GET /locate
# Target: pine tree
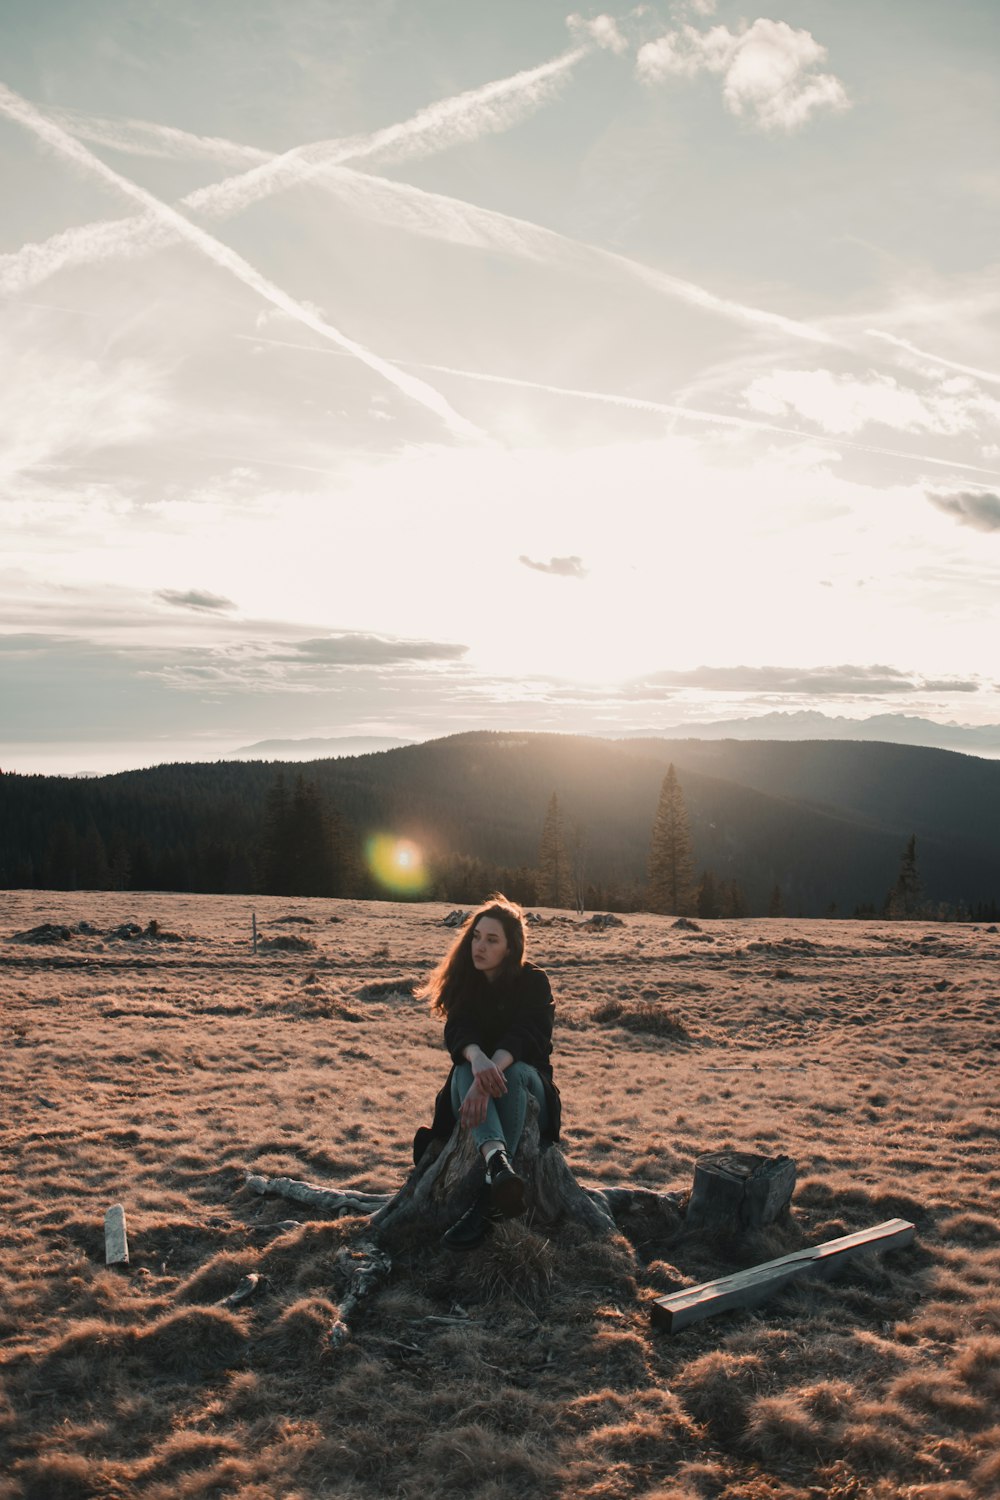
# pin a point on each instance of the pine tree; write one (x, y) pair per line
(311, 841)
(553, 862)
(578, 867)
(671, 857)
(776, 904)
(732, 900)
(278, 857)
(904, 899)
(706, 897)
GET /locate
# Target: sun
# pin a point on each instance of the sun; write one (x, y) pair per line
(397, 864)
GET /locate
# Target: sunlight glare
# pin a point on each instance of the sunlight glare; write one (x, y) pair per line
(397, 864)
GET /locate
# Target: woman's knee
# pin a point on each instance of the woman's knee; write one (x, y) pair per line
(461, 1082)
(522, 1076)
(524, 1080)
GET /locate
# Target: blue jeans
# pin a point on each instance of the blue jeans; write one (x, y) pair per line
(504, 1117)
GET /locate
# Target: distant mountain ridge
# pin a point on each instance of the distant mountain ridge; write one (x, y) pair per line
(315, 749)
(811, 724)
(796, 724)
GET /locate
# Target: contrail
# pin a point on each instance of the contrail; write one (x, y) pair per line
(492, 107)
(936, 359)
(657, 408)
(637, 403)
(398, 205)
(487, 110)
(161, 142)
(56, 139)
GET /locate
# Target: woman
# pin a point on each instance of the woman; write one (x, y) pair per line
(498, 1029)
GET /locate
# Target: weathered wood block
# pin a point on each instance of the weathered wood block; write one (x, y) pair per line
(115, 1237)
(739, 1190)
(747, 1288)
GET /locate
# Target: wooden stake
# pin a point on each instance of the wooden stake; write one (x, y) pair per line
(747, 1288)
(115, 1238)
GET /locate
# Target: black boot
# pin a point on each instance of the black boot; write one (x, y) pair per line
(474, 1225)
(506, 1188)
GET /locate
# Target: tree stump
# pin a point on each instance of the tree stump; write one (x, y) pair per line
(448, 1178)
(738, 1190)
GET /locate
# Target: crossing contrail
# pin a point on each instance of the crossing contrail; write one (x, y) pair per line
(396, 205)
(54, 137)
(464, 117)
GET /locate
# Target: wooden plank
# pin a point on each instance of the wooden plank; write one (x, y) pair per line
(115, 1237)
(747, 1288)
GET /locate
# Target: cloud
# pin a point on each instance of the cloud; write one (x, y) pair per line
(560, 567)
(603, 31)
(843, 404)
(769, 71)
(56, 405)
(54, 137)
(979, 509)
(77, 690)
(198, 599)
(356, 649)
(798, 681)
(32, 640)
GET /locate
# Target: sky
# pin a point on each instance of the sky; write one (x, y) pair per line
(405, 367)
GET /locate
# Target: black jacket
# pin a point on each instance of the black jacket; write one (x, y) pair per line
(516, 1016)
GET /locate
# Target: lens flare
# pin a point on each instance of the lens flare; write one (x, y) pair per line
(397, 864)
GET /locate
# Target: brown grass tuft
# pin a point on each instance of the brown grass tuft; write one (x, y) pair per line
(971, 1229)
(718, 1390)
(185, 1451)
(775, 1424)
(986, 1474)
(300, 1333)
(218, 1277)
(648, 1017)
(61, 1476)
(940, 1397)
(516, 1264)
(458, 1459)
(652, 1430)
(194, 1341)
(979, 1365)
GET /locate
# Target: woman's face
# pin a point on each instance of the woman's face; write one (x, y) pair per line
(489, 946)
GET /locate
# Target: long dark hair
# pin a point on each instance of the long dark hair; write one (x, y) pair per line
(446, 986)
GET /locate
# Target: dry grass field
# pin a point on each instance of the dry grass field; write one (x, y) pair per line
(156, 1070)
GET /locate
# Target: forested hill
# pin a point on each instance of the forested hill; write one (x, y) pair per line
(823, 821)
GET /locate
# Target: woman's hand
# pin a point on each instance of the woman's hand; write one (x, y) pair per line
(475, 1104)
(486, 1071)
(488, 1083)
(489, 1077)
